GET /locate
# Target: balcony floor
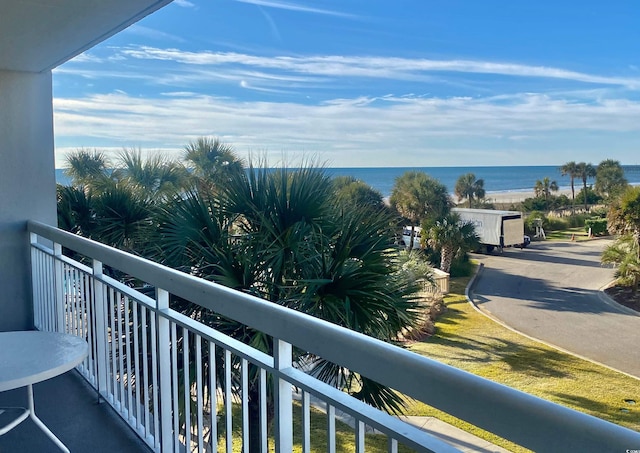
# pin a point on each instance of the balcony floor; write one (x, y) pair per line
(68, 405)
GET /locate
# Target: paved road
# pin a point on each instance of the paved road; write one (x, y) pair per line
(550, 291)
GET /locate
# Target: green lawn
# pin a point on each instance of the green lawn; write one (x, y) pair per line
(345, 435)
(578, 234)
(470, 341)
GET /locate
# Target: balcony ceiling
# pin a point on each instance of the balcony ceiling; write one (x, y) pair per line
(38, 35)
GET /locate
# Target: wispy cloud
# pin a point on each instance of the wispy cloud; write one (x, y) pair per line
(296, 7)
(347, 109)
(378, 130)
(184, 3)
(147, 32)
(373, 67)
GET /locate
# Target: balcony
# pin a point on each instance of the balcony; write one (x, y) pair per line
(69, 406)
(182, 386)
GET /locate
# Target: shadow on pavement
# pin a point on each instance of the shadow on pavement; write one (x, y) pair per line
(537, 293)
(545, 254)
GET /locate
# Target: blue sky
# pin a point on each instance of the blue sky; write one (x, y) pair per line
(365, 83)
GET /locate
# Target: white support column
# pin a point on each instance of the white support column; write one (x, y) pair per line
(283, 399)
(101, 325)
(164, 353)
(27, 184)
(59, 287)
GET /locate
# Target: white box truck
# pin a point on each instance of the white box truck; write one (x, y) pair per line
(496, 228)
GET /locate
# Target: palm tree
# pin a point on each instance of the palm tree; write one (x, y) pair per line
(467, 186)
(153, 178)
(451, 237)
(585, 171)
(115, 207)
(544, 188)
(123, 219)
(212, 161)
(75, 210)
(282, 235)
(419, 197)
(624, 253)
(624, 219)
(88, 168)
(610, 180)
(351, 191)
(624, 215)
(571, 169)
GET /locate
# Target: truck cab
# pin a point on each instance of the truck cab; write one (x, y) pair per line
(406, 236)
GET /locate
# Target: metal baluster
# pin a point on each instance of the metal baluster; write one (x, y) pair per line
(136, 350)
(228, 408)
(127, 339)
(360, 432)
(283, 399)
(198, 364)
(245, 404)
(165, 345)
(264, 445)
(145, 372)
(89, 325)
(113, 393)
(331, 428)
(213, 398)
(37, 320)
(119, 304)
(306, 422)
(99, 295)
(154, 379)
(187, 388)
(174, 388)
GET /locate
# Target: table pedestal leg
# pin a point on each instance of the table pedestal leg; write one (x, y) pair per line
(38, 422)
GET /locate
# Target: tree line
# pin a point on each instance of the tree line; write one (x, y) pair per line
(609, 178)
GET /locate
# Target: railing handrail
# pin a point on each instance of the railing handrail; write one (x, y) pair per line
(524, 419)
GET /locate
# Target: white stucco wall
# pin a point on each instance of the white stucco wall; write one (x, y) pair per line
(27, 185)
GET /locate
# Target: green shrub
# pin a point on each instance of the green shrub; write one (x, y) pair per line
(592, 197)
(560, 202)
(530, 221)
(461, 266)
(534, 204)
(542, 204)
(577, 220)
(600, 213)
(556, 223)
(598, 226)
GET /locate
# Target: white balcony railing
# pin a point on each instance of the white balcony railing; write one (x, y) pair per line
(167, 374)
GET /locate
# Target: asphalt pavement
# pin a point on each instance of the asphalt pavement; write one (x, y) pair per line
(551, 292)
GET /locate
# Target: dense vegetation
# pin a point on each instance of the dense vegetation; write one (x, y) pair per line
(327, 247)
(291, 237)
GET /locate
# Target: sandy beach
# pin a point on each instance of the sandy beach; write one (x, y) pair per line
(519, 196)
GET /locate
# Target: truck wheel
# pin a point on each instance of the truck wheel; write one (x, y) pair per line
(489, 248)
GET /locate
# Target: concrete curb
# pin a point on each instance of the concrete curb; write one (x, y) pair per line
(607, 299)
(469, 295)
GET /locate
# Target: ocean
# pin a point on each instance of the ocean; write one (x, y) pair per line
(496, 179)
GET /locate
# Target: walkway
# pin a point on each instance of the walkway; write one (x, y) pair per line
(550, 291)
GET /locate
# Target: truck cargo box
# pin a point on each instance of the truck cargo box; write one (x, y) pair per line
(495, 228)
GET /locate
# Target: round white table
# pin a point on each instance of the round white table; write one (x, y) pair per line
(28, 357)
